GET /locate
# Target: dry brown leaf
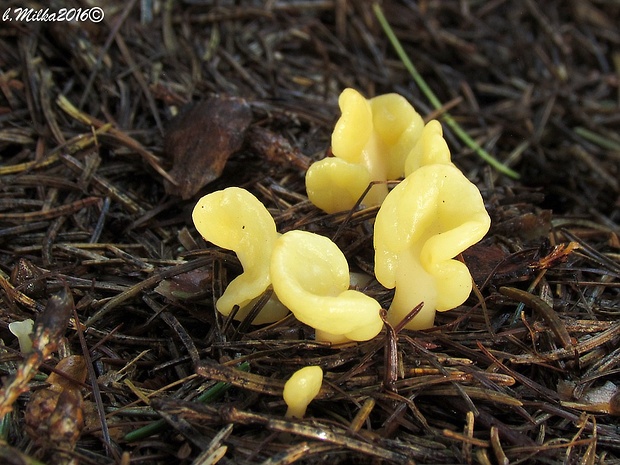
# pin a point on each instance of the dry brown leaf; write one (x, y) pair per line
(201, 138)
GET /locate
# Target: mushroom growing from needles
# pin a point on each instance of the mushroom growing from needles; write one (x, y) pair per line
(234, 219)
(23, 331)
(425, 221)
(301, 388)
(370, 142)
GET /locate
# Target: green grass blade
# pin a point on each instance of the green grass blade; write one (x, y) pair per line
(432, 98)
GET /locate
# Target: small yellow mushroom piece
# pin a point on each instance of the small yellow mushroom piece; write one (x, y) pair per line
(335, 185)
(23, 331)
(370, 142)
(301, 389)
(428, 219)
(310, 276)
(431, 148)
(234, 219)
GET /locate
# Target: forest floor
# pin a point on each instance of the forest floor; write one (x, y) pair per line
(97, 186)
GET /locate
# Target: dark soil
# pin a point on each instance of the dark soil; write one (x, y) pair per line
(93, 212)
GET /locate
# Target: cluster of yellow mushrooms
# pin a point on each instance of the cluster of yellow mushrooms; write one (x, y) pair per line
(430, 217)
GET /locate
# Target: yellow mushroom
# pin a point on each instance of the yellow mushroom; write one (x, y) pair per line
(301, 388)
(234, 219)
(310, 276)
(23, 331)
(428, 219)
(370, 142)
